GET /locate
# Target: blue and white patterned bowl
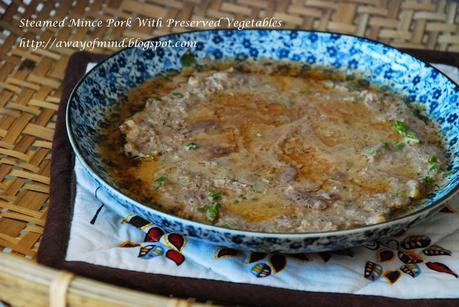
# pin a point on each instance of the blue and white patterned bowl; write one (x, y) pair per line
(110, 81)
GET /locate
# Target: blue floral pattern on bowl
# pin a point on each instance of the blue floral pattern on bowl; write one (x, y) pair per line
(110, 81)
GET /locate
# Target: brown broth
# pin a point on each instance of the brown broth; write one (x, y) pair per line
(353, 129)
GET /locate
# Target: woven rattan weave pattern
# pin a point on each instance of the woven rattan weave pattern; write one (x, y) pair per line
(30, 80)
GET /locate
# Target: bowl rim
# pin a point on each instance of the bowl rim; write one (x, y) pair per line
(281, 235)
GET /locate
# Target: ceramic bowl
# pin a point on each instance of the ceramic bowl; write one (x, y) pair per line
(103, 87)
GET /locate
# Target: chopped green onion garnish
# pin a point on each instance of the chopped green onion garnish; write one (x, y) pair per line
(188, 59)
(159, 182)
(400, 127)
(433, 161)
(411, 136)
(400, 146)
(434, 166)
(177, 94)
(214, 196)
(191, 146)
(212, 212)
(375, 151)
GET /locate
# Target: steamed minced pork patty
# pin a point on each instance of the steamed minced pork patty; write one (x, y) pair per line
(266, 149)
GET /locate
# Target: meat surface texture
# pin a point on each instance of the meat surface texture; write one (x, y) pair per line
(264, 150)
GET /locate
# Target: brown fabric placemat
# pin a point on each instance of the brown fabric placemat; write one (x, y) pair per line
(53, 246)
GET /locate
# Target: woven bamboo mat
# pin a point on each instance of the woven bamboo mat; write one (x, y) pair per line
(30, 80)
